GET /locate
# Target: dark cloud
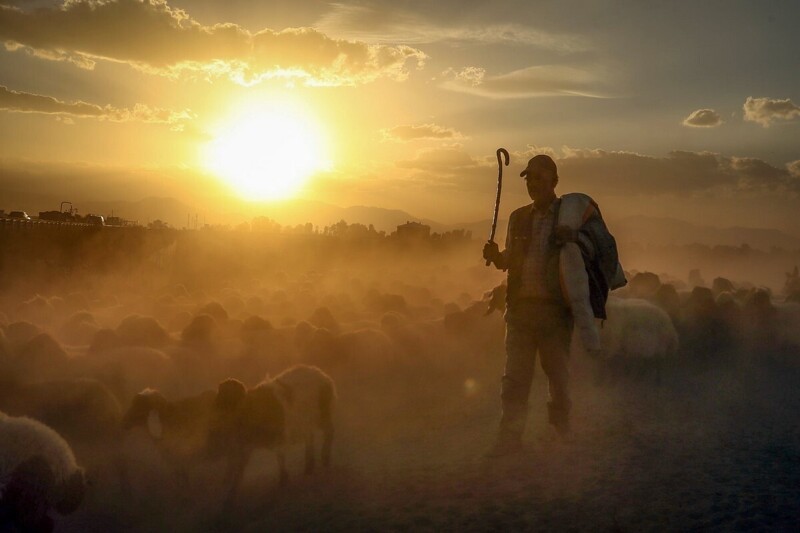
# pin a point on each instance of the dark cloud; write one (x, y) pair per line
(153, 36)
(541, 80)
(703, 118)
(22, 102)
(421, 132)
(767, 110)
(680, 173)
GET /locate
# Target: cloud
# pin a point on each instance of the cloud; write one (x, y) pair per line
(22, 102)
(388, 23)
(679, 173)
(449, 158)
(703, 118)
(767, 110)
(794, 168)
(597, 171)
(530, 82)
(154, 37)
(405, 133)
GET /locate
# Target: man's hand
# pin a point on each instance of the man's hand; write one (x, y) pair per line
(491, 252)
(564, 234)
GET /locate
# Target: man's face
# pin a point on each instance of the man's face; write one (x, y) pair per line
(541, 184)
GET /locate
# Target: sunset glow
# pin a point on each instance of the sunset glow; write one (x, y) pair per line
(267, 153)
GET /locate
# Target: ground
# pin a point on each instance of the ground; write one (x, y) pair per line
(705, 447)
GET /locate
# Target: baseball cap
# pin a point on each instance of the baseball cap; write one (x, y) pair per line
(540, 161)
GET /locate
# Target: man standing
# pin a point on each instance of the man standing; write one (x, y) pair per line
(538, 318)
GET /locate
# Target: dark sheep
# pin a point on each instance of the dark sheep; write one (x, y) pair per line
(323, 318)
(179, 428)
(276, 414)
(136, 330)
(667, 298)
(18, 333)
(720, 285)
(40, 358)
(200, 330)
(79, 329)
(38, 472)
(215, 310)
(104, 340)
(644, 285)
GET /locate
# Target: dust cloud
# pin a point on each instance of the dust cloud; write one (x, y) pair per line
(688, 421)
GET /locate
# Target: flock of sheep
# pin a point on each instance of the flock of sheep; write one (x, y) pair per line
(85, 371)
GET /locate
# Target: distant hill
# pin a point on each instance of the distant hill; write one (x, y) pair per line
(638, 229)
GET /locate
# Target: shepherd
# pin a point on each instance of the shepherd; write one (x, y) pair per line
(561, 262)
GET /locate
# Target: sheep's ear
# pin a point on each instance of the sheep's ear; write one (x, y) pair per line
(154, 424)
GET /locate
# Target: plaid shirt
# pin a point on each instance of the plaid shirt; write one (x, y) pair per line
(533, 270)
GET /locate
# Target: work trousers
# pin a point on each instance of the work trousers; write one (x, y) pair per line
(535, 326)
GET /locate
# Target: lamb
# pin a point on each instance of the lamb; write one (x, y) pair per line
(179, 428)
(38, 472)
(273, 415)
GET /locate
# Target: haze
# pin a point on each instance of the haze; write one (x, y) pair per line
(296, 184)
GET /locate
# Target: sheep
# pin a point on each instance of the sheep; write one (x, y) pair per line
(128, 369)
(179, 428)
(644, 285)
(42, 357)
(18, 333)
(637, 336)
(82, 410)
(38, 472)
(214, 309)
(323, 318)
(275, 414)
(636, 328)
(37, 309)
(200, 330)
(79, 329)
(136, 330)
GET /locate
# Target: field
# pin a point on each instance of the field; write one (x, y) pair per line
(703, 438)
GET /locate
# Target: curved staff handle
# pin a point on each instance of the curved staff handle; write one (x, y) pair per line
(503, 152)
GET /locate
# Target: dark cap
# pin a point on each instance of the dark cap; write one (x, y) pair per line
(540, 161)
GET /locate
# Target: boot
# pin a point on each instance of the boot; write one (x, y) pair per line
(559, 418)
(509, 436)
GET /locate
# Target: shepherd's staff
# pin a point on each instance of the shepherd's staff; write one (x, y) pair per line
(504, 152)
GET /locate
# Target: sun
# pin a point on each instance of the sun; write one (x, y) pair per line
(267, 152)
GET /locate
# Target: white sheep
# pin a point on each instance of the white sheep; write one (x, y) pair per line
(637, 333)
(38, 472)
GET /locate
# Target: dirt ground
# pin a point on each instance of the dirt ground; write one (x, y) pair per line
(712, 447)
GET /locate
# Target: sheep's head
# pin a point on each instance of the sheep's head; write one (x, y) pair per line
(139, 413)
(27, 494)
(230, 394)
(70, 493)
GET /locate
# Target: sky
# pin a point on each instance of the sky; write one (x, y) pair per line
(679, 109)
